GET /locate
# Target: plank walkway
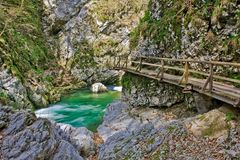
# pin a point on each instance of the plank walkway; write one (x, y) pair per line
(223, 91)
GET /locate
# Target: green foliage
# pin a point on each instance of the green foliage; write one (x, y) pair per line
(230, 116)
(3, 94)
(3, 97)
(129, 80)
(49, 78)
(84, 56)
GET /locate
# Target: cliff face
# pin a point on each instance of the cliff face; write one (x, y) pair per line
(24, 57)
(208, 30)
(203, 30)
(84, 33)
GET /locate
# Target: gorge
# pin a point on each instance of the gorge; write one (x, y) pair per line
(51, 48)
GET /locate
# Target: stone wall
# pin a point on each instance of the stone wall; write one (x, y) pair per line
(144, 92)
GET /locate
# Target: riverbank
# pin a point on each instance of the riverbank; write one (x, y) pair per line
(126, 133)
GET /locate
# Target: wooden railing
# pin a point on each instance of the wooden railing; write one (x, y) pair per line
(163, 66)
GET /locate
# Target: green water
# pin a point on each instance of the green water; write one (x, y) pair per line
(80, 109)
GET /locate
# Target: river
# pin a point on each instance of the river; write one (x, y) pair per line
(80, 109)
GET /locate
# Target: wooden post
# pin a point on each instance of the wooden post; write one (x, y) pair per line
(209, 80)
(140, 65)
(161, 71)
(185, 74)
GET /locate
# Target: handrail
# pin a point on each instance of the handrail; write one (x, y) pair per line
(190, 70)
(192, 60)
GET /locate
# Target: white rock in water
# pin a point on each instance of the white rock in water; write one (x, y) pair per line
(98, 87)
(119, 89)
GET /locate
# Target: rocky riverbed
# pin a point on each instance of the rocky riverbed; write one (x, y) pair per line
(126, 133)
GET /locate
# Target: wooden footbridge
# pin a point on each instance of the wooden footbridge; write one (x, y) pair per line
(180, 72)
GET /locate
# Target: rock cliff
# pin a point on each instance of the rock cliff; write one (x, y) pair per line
(202, 30)
(24, 56)
(83, 33)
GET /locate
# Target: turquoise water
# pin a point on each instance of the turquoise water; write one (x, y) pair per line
(80, 109)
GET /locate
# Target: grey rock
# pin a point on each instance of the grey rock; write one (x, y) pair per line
(2, 124)
(82, 39)
(67, 152)
(25, 138)
(14, 89)
(81, 137)
(126, 136)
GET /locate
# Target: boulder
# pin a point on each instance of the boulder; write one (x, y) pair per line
(98, 88)
(213, 124)
(26, 137)
(81, 137)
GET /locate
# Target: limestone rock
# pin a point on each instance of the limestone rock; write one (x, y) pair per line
(200, 35)
(80, 137)
(83, 33)
(26, 137)
(213, 124)
(12, 89)
(98, 88)
(140, 91)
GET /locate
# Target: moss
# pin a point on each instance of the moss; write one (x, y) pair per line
(48, 78)
(84, 56)
(161, 153)
(23, 47)
(107, 10)
(230, 116)
(159, 30)
(171, 128)
(22, 42)
(129, 80)
(151, 141)
(214, 128)
(3, 98)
